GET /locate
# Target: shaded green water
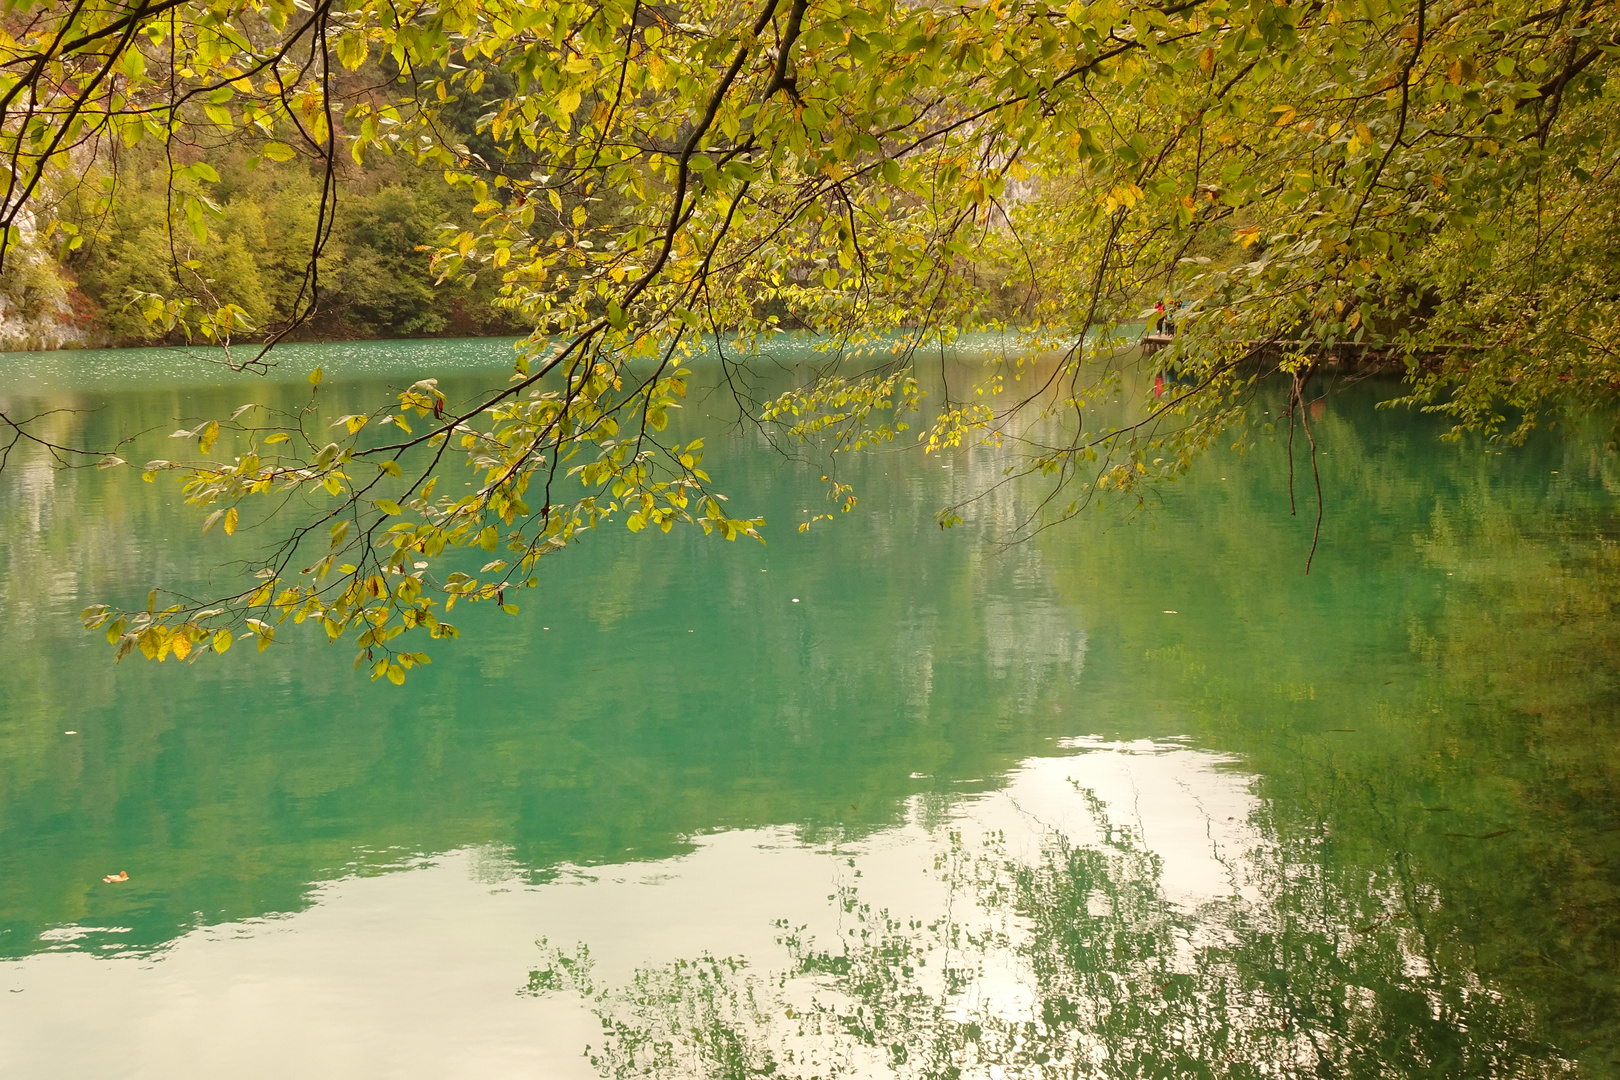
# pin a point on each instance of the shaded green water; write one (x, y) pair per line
(1234, 819)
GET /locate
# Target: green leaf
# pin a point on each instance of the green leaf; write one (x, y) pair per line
(192, 208)
(352, 49)
(266, 633)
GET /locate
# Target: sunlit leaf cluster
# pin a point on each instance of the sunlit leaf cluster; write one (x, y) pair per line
(1428, 184)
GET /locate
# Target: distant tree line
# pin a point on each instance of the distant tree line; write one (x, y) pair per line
(375, 278)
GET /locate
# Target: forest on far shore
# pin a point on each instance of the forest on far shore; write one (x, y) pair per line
(375, 275)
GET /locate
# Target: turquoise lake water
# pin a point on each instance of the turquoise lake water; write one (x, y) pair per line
(1136, 797)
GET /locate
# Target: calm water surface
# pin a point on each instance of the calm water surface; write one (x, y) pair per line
(1136, 798)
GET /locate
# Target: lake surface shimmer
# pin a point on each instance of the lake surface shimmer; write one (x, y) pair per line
(1136, 798)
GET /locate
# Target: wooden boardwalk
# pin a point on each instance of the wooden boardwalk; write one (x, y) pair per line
(1152, 343)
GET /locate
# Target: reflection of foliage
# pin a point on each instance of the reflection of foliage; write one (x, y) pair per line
(545, 753)
(1077, 964)
(1431, 714)
(1529, 633)
(689, 1018)
(563, 971)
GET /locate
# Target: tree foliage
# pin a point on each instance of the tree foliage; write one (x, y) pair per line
(1431, 181)
(376, 275)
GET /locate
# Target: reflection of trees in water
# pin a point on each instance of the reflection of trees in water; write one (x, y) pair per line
(747, 710)
(1077, 965)
(1455, 756)
(1528, 631)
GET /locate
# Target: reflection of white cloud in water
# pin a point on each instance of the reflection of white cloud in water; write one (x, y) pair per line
(1187, 806)
(414, 973)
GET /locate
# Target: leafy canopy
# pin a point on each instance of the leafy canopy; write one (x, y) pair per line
(1431, 181)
